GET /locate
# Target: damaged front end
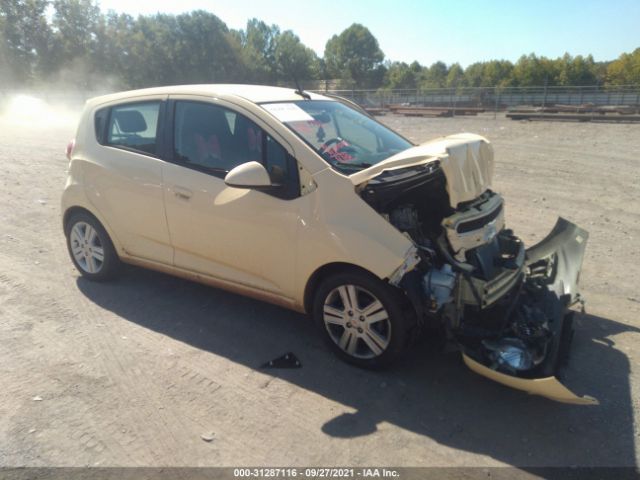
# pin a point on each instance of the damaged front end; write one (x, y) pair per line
(507, 308)
(522, 339)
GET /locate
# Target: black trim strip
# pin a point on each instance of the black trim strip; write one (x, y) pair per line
(478, 223)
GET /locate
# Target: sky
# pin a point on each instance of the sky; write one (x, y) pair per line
(463, 31)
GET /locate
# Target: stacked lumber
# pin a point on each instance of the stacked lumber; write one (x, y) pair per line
(576, 117)
(424, 111)
(582, 108)
(375, 110)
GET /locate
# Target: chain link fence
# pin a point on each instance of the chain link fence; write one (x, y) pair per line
(495, 98)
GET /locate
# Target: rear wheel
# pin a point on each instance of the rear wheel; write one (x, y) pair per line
(361, 318)
(90, 247)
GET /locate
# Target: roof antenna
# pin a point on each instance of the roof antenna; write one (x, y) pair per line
(299, 90)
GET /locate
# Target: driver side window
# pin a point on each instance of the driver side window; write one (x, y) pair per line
(214, 140)
(204, 138)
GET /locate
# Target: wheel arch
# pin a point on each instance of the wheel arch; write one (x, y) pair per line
(69, 212)
(72, 211)
(323, 272)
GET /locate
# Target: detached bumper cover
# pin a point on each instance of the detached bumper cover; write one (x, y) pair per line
(548, 387)
(555, 261)
(565, 244)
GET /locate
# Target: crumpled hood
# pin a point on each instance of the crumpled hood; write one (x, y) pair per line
(466, 159)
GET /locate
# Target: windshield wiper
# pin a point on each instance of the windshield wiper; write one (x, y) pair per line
(361, 165)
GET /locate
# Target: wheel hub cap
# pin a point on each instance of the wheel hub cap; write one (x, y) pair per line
(86, 247)
(372, 335)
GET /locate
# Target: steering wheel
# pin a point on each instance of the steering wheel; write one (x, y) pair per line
(344, 148)
(330, 142)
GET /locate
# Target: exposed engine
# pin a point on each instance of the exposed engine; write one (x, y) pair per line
(506, 307)
(473, 278)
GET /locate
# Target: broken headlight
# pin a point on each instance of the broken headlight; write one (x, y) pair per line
(511, 353)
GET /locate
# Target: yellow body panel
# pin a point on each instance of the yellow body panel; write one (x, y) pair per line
(548, 387)
(238, 239)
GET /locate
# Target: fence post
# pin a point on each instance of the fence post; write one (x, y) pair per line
(455, 102)
(496, 94)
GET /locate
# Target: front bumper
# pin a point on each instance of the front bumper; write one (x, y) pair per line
(552, 270)
(548, 387)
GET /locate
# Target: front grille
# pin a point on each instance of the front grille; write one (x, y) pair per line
(479, 222)
(475, 226)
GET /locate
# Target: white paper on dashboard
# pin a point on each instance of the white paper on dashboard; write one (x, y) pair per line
(287, 112)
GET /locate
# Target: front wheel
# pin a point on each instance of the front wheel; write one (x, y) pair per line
(361, 318)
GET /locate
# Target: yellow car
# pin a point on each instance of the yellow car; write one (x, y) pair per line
(305, 201)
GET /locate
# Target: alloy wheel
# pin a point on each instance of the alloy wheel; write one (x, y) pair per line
(86, 247)
(357, 321)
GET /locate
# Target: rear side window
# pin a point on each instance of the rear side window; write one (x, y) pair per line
(134, 127)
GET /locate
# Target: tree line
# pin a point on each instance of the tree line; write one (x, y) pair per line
(73, 42)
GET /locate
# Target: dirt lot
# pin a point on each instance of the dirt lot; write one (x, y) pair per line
(134, 372)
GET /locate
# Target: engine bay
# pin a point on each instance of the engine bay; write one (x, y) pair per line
(474, 278)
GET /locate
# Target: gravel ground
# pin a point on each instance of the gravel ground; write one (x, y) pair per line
(136, 372)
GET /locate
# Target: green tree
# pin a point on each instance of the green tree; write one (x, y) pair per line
(355, 55)
(259, 49)
(114, 39)
(625, 70)
(455, 76)
(531, 70)
(497, 73)
(600, 69)
(76, 43)
(75, 23)
(435, 76)
(402, 75)
(292, 59)
(26, 40)
(195, 47)
(576, 70)
(474, 74)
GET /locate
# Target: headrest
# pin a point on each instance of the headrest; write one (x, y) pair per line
(130, 121)
(205, 120)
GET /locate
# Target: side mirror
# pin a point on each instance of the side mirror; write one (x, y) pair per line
(248, 175)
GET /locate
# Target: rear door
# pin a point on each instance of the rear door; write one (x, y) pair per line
(241, 236)
(125, 180)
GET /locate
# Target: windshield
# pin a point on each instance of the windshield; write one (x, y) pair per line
(348, 140)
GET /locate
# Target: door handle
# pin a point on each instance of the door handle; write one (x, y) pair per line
(182, 192)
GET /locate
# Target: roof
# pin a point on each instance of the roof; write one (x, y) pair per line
(253, 93)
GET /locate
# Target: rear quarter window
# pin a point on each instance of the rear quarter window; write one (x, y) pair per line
(132, 126)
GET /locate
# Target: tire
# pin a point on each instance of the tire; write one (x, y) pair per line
(376, 332)
(90, 248)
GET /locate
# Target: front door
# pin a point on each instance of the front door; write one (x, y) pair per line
(243, 236)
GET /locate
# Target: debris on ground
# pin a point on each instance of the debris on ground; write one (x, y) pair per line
(288, 360)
